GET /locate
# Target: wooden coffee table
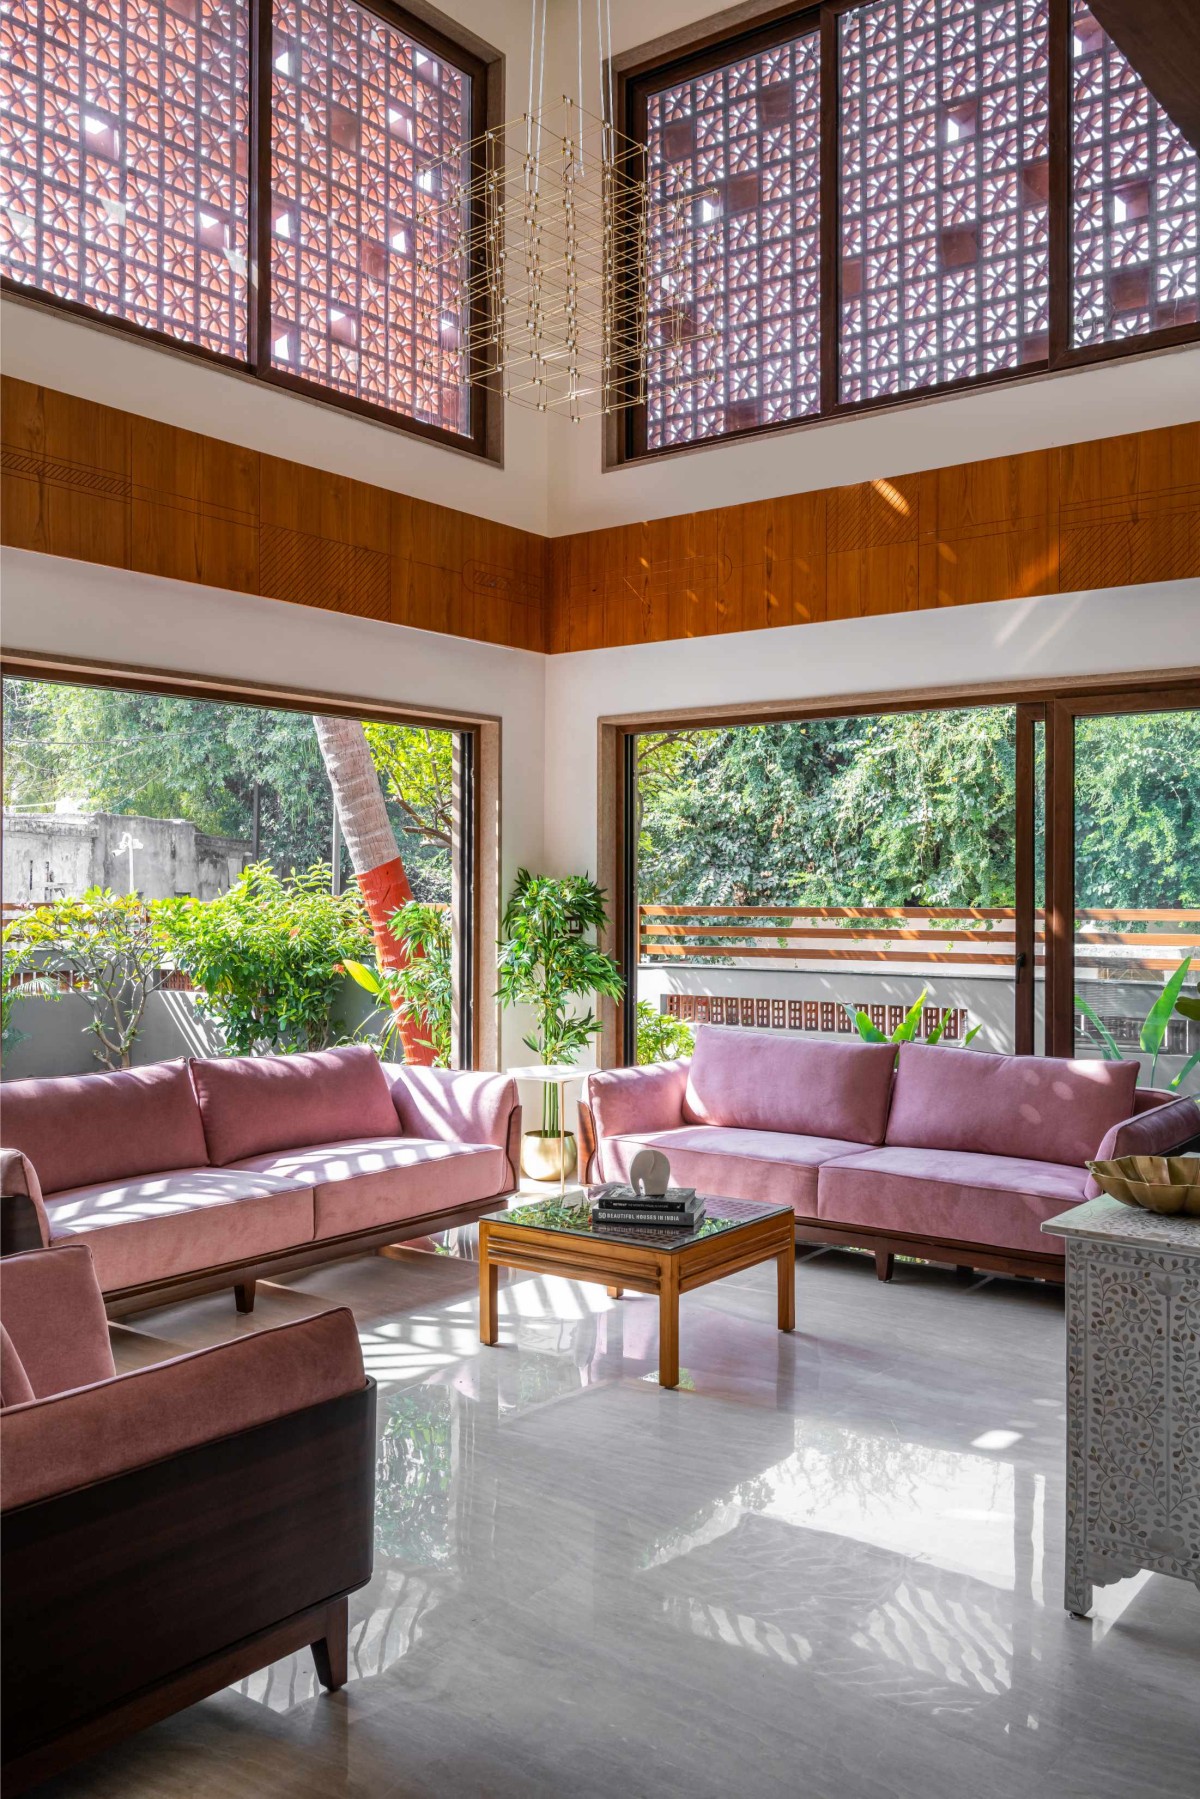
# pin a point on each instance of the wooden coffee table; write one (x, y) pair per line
(553, 1236)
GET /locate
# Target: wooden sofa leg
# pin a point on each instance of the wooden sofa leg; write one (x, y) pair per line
(885, 1265)
(330, 1653)
(243, 1295)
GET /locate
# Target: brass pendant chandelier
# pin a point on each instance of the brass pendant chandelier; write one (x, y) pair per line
(548, 220)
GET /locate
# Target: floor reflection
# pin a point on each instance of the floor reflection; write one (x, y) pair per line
(830, 1563)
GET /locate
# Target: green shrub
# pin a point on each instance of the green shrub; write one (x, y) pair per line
(661, 1038)
(104, 947)
(269, 956)
(425, 986)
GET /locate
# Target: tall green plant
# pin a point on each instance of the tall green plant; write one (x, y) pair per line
(106, 948)
(546, 961)
(1153, 1033)
(269, 956)
(425, 985)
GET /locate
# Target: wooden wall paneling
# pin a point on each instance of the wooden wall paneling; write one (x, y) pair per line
(1129, 508)
(66, 475)
(96, 484)
(194, 506)
(800, 575)
(988, 531)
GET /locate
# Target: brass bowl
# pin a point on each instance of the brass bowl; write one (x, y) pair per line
(1166, 1184)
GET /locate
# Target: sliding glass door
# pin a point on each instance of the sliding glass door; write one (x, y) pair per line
(1030, 867)
(1135, 941)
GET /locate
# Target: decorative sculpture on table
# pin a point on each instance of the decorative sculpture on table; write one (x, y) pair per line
(650, 1173)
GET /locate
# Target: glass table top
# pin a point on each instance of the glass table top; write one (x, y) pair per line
(573, 1217)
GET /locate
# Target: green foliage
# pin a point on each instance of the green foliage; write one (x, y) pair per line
(424, 987)
(1154, 1030)
(661, 1038)
(106, 947)
(546, 961)
(416, 766)
(159, 756)
(1137, 810)
(907, 1029)
(269, 955)
(900, 809)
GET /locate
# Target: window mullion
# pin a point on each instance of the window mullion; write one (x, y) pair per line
(830, 202)
(1060, 180)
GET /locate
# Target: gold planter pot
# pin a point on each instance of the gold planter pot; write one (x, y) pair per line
(540, 1155)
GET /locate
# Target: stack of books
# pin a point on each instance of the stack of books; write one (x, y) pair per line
(616, 1208)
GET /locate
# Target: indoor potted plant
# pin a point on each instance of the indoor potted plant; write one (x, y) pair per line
(547, 960)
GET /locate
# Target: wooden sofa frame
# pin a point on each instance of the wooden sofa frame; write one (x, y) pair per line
(19, 1231)
(126, 1600)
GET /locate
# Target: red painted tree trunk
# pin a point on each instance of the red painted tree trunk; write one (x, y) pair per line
(374, 855)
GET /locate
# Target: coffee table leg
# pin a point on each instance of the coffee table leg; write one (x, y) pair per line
(786, 1269)
(614, 1292)
(668, 1323)
(489, 1275)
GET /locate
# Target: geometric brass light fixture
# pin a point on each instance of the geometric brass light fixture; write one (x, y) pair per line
(547, 220)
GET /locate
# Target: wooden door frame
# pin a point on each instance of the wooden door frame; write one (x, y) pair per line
(1056, 702)
(478, 1046)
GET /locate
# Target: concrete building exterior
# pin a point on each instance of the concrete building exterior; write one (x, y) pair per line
(59, 855)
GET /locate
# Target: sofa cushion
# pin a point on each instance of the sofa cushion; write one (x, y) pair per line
(772, 1166)
(951, 1194)
(756, 1081)
(1042, 1107)
(176, 1223)
(54, 1313)
(15, 1388)
(82, 1128)
(365, 1183)
(252, 1105)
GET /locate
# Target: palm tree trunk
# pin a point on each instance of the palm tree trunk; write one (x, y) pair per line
(374, 854)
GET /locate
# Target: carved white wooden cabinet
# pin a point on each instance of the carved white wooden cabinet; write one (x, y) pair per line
(1133, 1395)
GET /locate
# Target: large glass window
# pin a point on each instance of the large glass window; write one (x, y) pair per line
(935, 873)
(130, 186)
(1135, 182)
(123, 134)
(944, 260)
(867, 197)
(176, 881)
(364, 280)
(735, 316)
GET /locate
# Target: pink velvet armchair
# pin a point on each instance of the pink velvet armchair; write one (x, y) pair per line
(169, 1530)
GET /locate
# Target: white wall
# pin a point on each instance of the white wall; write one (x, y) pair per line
(1108, 632)
(79, 609)
(104, 365)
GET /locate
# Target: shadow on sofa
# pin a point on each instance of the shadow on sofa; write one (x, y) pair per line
(183, 1177)
(170, 1530)
(948, 1154)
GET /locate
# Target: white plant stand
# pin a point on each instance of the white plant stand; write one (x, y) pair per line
(560, 1075)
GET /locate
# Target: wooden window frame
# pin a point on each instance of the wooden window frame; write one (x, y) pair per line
(484, 68)
(475, 1030)
(1055, 705)
(648, 70)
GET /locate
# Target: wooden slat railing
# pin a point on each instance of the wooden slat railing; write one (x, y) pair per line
(890, 934)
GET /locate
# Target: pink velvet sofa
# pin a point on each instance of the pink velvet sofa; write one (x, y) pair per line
(950, 1154)
(169, 1530)
(186, 1176)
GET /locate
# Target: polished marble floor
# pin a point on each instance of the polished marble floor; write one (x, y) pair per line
(829, 1565)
